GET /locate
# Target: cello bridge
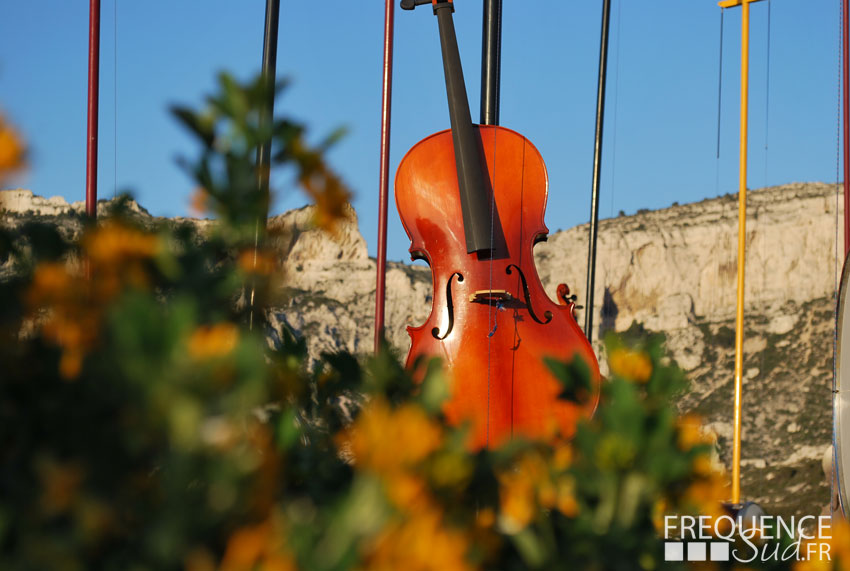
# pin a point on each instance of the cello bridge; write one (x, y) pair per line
(491, 296)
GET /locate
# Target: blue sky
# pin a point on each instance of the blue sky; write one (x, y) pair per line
(660, 135)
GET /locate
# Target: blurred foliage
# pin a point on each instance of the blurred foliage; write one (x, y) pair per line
(145, 425)
(12, 151)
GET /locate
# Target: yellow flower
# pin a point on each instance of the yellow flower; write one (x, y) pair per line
(11, 150)
(485, 517)
(834, 557)
(113, 242)
(562, 456)
(259, 547)
(631, 365)
(520, 489)
(211, 341)
(659, 510)
(566, 501)
(50, 281)
(407, 492)
(60, 483)
(419, 543)
(71, 320)
(706, 496)
(329, 194)
(690, 433)
(199, 201)
(703, 466)
(256, 262)
(386, 441)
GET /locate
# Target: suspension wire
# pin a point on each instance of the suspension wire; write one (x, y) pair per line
(767, 96)
(616, 107)
(758, 208)
(719, 100)
(720, 82)
(767, 86)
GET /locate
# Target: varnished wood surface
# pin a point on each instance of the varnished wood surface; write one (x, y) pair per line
(493, 355)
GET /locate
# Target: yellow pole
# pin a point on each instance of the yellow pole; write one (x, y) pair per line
(742, 243)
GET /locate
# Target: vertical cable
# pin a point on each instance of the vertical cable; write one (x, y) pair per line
(720, 83)
(616, 108)
(767, 96)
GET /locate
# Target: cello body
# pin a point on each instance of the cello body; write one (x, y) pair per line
(491, 321)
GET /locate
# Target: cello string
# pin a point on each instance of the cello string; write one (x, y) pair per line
(491, 311)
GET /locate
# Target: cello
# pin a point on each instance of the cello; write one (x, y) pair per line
(472, 200)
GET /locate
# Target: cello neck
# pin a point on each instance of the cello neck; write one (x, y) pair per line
(473, 182)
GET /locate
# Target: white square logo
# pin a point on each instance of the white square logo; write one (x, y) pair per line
(696, 551)
(674, 551)
(719, 551)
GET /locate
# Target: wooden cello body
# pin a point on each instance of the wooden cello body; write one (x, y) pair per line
(472, 201)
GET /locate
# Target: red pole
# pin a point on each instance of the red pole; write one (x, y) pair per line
(845, 51)
(94, 82)
(380, 288)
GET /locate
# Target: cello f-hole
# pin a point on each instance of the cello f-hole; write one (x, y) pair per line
(547, 315)
(435, 332)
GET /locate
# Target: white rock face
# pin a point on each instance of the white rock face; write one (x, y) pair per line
(21, 201)
(664, 267)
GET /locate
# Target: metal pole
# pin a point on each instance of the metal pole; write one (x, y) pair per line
(742, 243)
(384, 177)
(269, 73)
(491, 61)
(597, 169)
(846, 66)
(94, 86)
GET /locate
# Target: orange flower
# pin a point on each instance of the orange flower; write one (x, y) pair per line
(50, 281)
(71, 320)
(199, 201)
(211, 341)
(530, 485)
(60, 483)
(113, 242)
(631, 365)
(706, 496)
(420, 543)
(12, 150)
(828, 553)
(255, 262)
(387, 441)
(258, 547)
(690, 433)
